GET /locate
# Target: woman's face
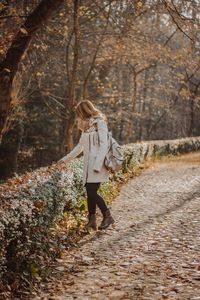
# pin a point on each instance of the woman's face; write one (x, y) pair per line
(83, 124)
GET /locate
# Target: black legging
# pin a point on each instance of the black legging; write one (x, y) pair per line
(93, 199)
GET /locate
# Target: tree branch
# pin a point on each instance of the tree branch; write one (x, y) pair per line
(12, 16)
(27, 30)
(174, 20)
(18, 47)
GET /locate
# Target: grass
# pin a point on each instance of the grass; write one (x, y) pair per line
(192, 157)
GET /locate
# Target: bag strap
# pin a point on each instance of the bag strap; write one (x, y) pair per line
(109, 134)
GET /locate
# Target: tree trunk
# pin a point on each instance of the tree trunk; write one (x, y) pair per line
(67, 143)
(9, 66)
(191, 126)
(143, 105)
(85, 83)
(192, 108)
(9, 149)
(134, 97)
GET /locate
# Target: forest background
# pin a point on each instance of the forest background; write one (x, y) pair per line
(138, 61)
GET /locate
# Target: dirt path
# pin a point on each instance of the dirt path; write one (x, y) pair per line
(154, 250)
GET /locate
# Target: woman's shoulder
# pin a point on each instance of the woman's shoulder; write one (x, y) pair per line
(96, 123)
(98, 119)
(101, 124)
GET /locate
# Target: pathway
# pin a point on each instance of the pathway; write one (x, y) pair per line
(152, 253)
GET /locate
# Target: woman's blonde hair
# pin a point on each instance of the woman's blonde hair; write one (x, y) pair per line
(85, 110)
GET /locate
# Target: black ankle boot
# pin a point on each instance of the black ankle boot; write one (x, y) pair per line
(107, 220)
(92, 222)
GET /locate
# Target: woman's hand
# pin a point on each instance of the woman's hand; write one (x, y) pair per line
(56, 164)
(60, 162)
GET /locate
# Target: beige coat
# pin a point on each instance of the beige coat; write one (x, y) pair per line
(94, 145)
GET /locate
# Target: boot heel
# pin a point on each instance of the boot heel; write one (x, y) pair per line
(92, 223)
(107, 220)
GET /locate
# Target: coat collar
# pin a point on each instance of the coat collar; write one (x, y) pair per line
(94, 120)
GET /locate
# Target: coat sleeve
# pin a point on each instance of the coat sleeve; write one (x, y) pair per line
(74, 153)
(103, 145)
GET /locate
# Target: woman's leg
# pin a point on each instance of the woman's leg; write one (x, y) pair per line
(101, 203)
(93, 198)
(91, 189)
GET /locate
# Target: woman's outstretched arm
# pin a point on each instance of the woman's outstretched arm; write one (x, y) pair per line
(74, 153)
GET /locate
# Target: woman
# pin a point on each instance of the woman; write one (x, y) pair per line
(93, 143)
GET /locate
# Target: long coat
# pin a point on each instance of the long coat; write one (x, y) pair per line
(94, 144)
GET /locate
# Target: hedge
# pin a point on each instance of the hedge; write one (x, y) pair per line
(31, 205)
